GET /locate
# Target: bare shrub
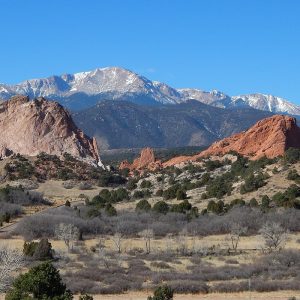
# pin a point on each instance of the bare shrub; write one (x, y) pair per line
(274, 235)
(10, 209)
(236, 231)
(160, 265)
(117, 239)
(147, 235)
(232, 262)
(68, 184)
(84, 186)
(182, 242)
(67, 233)
(188, 286)
(10, 261)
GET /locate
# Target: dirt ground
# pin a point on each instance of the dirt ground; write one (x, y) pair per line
(281, 295)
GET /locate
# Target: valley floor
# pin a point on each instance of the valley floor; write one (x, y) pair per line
(281, 295)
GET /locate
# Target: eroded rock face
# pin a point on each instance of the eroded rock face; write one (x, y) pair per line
(146, 161)
(31, 127)
(270, 137)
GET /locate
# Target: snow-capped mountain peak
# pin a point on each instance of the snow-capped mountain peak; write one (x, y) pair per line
(84, 89)
(266, 102)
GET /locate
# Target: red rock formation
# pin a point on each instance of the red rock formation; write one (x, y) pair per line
(124, 165)
(146, 161)
(270, 137)
(30, 127)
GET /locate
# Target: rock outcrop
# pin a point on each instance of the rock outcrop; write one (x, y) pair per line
(31, 127)
(270, 137)
(146, 161)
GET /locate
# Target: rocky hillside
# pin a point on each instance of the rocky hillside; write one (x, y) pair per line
(121, 124)
(270, 137)
(83, 90)
(31, 127)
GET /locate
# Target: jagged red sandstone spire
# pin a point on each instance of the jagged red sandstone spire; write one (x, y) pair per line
(146, 160)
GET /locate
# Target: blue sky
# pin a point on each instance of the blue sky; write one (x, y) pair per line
(236, 46)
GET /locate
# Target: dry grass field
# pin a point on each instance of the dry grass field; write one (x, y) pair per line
(86, 254)
(282, 295)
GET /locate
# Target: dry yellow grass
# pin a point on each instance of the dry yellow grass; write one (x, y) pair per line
(54, 189)
(282, 295)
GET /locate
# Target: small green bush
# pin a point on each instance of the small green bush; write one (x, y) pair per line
(162, 293)
(252, 183)
(292, 155)
(143, 205)
(145, 184)
(110, 210)
(161, 207)
(253, 202)
(181, 194)
(85, 297)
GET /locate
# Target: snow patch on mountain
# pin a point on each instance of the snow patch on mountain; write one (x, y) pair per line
(267, 103)
(114, 83)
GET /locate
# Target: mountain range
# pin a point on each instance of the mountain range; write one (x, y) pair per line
(122, 124)
(84, 90)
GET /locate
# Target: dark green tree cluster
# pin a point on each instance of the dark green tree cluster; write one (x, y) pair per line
(66, 174)
(193, 169)
(219, 186)
(175, 191)
(106, 196)
(131, 184)
(292, 155)
(20, 168)
(41, 250)
(146, 184)
(288, 198)
(265, 202)
(293, 175)
(110, 210)
(211, 165)
(183, 207)
(244, 167)
(143, 205)
(41, 282)
(253, 183)
(219, 207)
(108, 179)
(215, 207)
(139, 194)
(161, 207)
(105, 200)
(162, 293)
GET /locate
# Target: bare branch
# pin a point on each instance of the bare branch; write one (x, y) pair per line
(67, 233)
(274, 235)
(10, 261)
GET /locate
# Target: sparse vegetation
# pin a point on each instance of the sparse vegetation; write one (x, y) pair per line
(150, 227)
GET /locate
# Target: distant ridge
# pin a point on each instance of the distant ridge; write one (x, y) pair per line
(270, 137)
(83, 90)
(121, 124)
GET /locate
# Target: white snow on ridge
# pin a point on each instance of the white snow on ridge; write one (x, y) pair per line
(267, 102)
(118, 83)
